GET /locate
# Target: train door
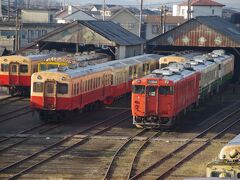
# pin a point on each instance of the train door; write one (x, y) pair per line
(50, 95)
(14, 73)
(151, 106)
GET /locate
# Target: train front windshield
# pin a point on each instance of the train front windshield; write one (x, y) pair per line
(138, 89)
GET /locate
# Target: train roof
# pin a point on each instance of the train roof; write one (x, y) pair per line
(231, 150)
(234, 141)
(175, 77)
(81, 71)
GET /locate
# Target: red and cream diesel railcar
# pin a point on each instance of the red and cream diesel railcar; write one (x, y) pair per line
(61, 91)
(159, 98)
(16, 70)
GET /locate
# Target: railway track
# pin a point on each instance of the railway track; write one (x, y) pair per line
(12, 115)
(10, 100)
(60, 147)
(166, 165)
(116, 168)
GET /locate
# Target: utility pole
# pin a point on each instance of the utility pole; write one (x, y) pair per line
(161, 19)
(140, 19)
(165, 14)
(104, 10)
(17, 31)
(189, 10)
(8, 10)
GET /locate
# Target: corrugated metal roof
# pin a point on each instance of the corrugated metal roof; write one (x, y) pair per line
(222, 26)
(228, 33)
(113, 32)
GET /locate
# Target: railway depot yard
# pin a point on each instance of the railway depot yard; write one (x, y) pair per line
(105, 144)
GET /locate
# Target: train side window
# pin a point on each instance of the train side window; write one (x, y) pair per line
(77, 88)
(166, 90)
(37, 87)
(4, 67)
(219, 67)
(62, 88)
(138, 89)
(14, 68)
(130, 71)
(23, 68)
(151, 91)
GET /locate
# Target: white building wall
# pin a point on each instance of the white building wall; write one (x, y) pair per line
(207, 11)
(197, 11)
(175, 11)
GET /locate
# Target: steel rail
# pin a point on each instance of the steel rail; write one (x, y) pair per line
(85, 139)
(144, 145)
(189, 156)
(127, 142)
(157, 163)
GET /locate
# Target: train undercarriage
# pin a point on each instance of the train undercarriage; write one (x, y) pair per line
(19, 91)
(153, 122)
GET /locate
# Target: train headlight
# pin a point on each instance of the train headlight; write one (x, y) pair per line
(5, 60)
(166, 82)
(39, 77)
(64, 78)
(138, 80)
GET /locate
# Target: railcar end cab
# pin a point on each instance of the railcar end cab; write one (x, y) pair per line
(149, 99)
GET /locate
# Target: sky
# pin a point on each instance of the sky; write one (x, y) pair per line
(148, 3)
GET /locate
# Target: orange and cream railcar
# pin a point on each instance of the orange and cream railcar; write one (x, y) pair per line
(58, 92)
(177, 58)
(16, 70)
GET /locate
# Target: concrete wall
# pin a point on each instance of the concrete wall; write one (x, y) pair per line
(129, 51)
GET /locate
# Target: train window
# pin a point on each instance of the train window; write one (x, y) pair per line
(37, 87)
(130, 71)
(138, 89)
(215, 174)
(151, 90)
(4, 67)
(14, 68)
(62, 88)
(52, 66)
(219, 67)
(134, 70)
(238, 175)
(166, 90)
(23, 68)
(50, 87)
(43, 67)
(111, 79)
(77, 88)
